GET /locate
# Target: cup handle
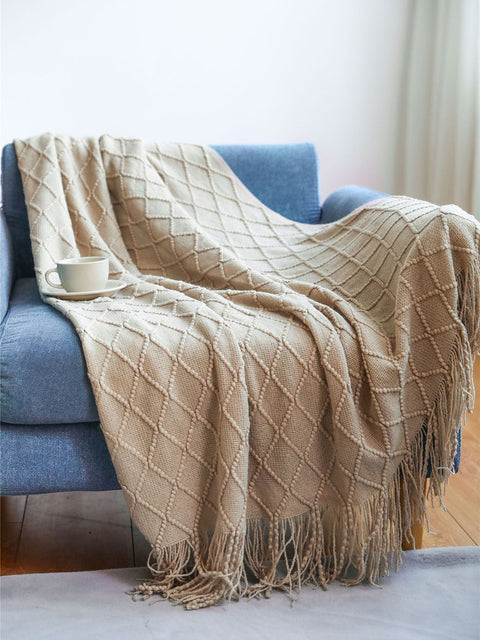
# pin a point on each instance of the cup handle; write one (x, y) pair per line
(47, 278)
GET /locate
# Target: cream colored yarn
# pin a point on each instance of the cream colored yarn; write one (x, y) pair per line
(267, 389)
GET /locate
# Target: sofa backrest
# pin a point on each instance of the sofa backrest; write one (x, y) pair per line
(15, 211)
(284, 177)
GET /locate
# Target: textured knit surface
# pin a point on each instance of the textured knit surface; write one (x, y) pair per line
(265, 387)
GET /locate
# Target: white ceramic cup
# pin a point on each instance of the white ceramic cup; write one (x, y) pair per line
(80, 274)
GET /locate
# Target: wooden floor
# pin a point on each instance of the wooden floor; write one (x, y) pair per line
(88, 530)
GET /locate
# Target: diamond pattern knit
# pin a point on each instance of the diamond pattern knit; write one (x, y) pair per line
(270, 392)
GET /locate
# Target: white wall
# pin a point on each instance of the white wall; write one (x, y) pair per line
(212, 71)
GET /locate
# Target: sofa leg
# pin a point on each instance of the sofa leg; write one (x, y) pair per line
(416, 540)
(417, 535)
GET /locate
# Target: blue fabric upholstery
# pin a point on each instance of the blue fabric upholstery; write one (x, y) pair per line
(282, 176)
(344, 200)
(6, 266)
(16, 213)
(43, 376)
(65, 457)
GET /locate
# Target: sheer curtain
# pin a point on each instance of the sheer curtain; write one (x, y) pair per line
(438, 150)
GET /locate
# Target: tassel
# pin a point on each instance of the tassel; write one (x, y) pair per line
(356, 544)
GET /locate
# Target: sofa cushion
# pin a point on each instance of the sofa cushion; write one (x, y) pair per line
(43, 376)
(54, 457)
(43, 372)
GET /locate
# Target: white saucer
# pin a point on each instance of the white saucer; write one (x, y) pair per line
(112, 286)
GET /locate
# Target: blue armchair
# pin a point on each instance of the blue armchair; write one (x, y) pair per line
(50, 435)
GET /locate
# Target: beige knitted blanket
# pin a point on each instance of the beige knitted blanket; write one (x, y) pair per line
(271, 393)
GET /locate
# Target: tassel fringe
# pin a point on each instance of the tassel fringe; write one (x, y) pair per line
(353, 545)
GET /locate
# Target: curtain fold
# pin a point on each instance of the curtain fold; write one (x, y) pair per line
(438, 149)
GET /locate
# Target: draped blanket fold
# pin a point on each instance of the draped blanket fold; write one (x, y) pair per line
(271, 393)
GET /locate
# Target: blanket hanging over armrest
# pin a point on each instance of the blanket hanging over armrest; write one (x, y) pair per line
(268, 390)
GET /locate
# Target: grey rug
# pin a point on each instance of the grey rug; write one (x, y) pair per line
(435, 594)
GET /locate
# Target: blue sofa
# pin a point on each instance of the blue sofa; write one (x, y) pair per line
(50, 435)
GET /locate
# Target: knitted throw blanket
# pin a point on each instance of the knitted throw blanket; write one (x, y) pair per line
(271, 393)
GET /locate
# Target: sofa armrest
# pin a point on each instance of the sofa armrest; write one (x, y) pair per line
(339, 204)
(344, 200)
(7, 268)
